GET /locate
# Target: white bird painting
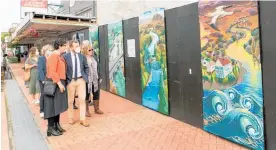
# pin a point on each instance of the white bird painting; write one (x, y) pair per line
(219, 13)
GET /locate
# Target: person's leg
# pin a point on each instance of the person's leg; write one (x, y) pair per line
(51, 127)
(41, 100)
(81, 97)
(87, 114)
(71, 94)
(59, 128)
(96, 102)
(37, 97)
(33, 97)
(74, 103)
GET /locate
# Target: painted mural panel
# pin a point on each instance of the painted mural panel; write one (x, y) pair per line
(153, 60)
(94, 40)
(116, 59)
(231, 71)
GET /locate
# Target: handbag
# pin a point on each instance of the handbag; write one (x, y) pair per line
(27, 75)
(49, 88)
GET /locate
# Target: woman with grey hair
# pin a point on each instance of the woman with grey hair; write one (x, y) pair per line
(46, 51)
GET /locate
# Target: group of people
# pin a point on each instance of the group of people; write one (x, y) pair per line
(74, 69)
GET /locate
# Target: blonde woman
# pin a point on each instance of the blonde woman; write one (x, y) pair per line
(92, 87)
(31, 63)
(41, 65)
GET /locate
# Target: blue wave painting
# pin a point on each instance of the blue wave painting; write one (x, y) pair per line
(231, 71)
(153, 60)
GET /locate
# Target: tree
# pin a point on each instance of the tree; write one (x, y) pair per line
(3, 35)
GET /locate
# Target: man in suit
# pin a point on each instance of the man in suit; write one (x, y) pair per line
(76, 78)
(69, 51)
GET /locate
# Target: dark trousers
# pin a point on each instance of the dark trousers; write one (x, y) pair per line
(96, 95)
(53, 120)
(41, 100)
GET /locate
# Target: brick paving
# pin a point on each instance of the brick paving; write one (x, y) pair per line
(126, 125)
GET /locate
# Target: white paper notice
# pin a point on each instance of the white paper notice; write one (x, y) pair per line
(131, 48)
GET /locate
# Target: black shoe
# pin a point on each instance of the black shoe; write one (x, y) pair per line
(75, 107)
(53, 132)
(59, 128)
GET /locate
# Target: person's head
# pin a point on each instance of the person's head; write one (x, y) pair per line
(60, 44)
(85, 43)
(74, 46)
(33, 52)
(47, 50)
(87, 50)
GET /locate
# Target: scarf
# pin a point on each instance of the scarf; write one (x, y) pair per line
(93, 75)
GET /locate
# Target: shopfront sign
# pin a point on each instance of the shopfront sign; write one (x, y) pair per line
(34, 3)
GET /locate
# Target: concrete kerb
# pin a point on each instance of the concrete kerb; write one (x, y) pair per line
(36, 119)
(9, 121)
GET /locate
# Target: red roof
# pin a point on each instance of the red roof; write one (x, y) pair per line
(224, 61)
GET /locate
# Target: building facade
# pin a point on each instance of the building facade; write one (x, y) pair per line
(115, 10)
(84, 8)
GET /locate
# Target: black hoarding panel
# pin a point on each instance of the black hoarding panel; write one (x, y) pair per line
(184, 64)
(103, 55)
(268, 32)
(132, 64)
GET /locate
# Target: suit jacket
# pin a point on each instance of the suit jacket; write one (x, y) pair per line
(41, 66)
(69, 67)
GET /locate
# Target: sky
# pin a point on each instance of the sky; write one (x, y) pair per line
(10, 13)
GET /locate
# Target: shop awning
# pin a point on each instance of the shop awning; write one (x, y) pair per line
(46, 26)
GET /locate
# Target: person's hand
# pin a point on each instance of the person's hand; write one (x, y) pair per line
(34, 65)
(61, 87)
(43, 82)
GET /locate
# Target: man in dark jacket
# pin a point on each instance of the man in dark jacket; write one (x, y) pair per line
(76, 78)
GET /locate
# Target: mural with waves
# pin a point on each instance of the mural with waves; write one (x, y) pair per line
(153, 60)
(231, 71)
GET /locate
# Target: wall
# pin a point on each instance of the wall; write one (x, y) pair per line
(78, 7)
(183, 52)
(110, 11)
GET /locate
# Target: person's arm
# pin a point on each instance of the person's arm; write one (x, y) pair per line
(85, 65)
(52, 65)
(41, 69)
(44, 69)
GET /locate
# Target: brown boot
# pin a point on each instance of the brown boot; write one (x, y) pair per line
(97, 107)
(84, 123)
(87, 114)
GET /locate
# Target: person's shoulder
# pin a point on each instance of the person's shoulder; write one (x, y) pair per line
(66, 55)
(54, 55)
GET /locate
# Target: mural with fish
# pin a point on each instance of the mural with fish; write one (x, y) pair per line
(231, 71)
(153, 60)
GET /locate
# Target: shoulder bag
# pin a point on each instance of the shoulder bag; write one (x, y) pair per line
(27, 74)
(49, 88)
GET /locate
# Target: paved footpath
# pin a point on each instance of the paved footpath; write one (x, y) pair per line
(124, 126)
